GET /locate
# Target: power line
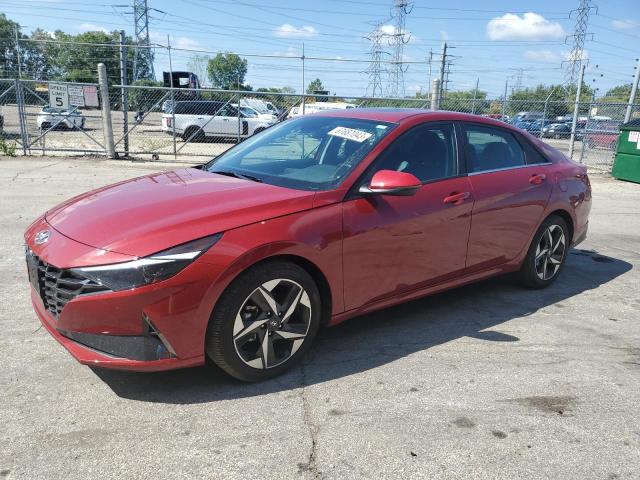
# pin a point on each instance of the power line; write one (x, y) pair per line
(398, 39)
(375, 67)
(575, 60)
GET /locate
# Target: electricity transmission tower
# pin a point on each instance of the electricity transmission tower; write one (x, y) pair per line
(399, 38)
(143, 55)
(375, 68)
(576, 57)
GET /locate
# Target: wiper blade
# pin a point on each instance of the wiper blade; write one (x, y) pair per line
(238, 175)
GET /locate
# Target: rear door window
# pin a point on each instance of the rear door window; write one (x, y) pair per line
(490, 148)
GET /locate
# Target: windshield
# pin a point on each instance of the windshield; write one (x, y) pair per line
(307, 153)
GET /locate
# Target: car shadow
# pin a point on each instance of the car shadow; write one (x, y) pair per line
(371, 340)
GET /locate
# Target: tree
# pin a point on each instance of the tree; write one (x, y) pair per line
(141, 99)
(619, 94)
(8, 51)
(227, 71)
(315, 85)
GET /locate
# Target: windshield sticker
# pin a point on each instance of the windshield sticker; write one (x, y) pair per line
(350, 134)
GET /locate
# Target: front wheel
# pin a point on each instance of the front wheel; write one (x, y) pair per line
(265, 321)
(547, 254)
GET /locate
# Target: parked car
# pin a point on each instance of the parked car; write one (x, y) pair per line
(54, 117)
(262, 106)
(602, 134)
(315, 107)
(1, 122)
(197, 120)
(528, 116)
(557, 130)
(311, 222)
(534, 127)
(251, 112)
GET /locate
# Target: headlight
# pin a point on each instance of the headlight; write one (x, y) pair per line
(151, 269)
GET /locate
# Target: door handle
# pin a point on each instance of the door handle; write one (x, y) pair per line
(456, 198)
(225, 119)
(537, 179)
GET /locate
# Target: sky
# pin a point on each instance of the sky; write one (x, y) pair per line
(523, 43)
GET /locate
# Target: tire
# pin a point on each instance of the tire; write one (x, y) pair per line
(258, 130)
(45, 126)
(195, 134)
(242, 322)
(533, 273)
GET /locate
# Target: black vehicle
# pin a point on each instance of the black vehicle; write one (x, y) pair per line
(187, 83)
(557, 130)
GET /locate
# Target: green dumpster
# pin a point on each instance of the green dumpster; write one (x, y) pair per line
(626, 165)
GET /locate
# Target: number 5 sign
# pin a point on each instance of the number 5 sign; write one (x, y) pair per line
(58, 96)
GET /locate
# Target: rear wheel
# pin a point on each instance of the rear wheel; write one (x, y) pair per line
(193, 134)
(547, 253)
(265, 321)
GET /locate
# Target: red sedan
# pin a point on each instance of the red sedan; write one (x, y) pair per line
(306, 224)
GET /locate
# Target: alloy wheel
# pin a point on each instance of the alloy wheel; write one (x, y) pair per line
(272, 323)
(550, 252)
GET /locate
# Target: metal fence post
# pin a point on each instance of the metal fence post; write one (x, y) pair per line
(239, 117)
(21, 116)
(173, 100)
(435, 94)
(632, 97)
(124, 93)
(107, 126)
(576, 109)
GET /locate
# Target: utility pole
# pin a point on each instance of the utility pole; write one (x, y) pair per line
(475, 95)
(375, 67)
(124, 97)
(579, 36)
(632, 97)
(396, 75)
(576, 109)
(443, 62)
(429, 81)
(143, 53)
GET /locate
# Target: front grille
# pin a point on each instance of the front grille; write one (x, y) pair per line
(58, 286)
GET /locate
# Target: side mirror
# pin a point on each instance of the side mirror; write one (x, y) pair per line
(391, 182)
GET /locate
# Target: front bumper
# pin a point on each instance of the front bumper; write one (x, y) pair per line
(155, 327)
(96, 358)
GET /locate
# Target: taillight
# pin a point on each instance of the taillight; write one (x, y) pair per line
(168, 121)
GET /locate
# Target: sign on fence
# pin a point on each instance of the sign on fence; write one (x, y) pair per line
(58, 96)
(76, 95)
(62, 96)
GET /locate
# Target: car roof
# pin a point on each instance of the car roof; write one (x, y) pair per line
(397, 115)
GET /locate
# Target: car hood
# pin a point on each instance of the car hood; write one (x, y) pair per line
(149, 214)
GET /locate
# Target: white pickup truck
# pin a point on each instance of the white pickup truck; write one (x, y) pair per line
(199, 119)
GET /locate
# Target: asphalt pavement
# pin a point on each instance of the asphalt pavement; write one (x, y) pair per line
(488, 381)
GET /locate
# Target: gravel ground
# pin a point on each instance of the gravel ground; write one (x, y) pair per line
(488, 381)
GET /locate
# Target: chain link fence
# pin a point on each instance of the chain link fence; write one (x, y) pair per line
(182, 124)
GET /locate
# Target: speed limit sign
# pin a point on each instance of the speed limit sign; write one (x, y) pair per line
(58, 96)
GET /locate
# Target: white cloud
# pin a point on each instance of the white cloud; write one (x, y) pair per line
(530, 26)
(390, 30)
(625, 24)
(550, 56)
(291, 52)
(186, 43)
(91, 27)
(288, 30)
(545, 56)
